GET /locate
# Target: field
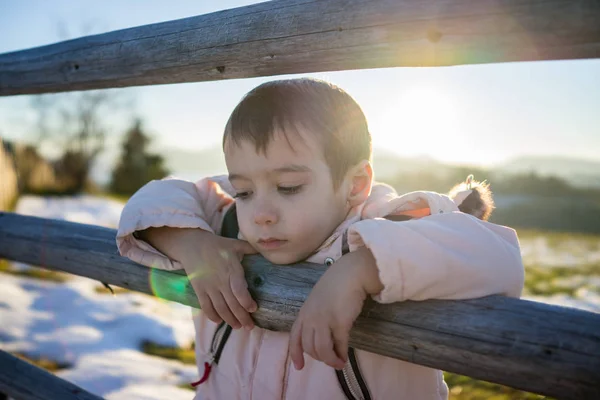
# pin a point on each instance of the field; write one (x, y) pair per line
(133, 346)
(561, 268)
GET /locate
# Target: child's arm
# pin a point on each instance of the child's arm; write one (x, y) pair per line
(169, 224)
(443, 256)
(322, 328)
(169, 203)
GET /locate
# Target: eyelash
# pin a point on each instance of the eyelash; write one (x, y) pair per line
(241, 195)
(282, 189)
(289, 190)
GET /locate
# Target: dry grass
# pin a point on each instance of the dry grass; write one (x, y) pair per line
(34, 272)
(185, 355)
(45, 363)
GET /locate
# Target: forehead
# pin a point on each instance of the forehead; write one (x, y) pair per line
(298, 147)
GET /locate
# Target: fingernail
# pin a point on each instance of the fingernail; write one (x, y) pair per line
(249, 327)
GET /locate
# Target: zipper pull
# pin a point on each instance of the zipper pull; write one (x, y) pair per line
(207, 368)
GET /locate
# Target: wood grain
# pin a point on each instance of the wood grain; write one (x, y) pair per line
(24, 381)
(305, 36)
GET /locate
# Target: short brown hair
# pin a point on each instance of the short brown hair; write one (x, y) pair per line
(318, 106)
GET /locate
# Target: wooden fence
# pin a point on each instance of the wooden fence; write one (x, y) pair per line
(527, 345)
(24, 381)
(301, 36)
(531, 346)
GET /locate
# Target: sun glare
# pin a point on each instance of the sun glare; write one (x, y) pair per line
(423, 120)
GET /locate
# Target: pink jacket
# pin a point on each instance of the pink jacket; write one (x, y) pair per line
(446, 255)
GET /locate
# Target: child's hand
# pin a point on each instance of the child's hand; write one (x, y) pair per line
(322, 329)
(213, 266)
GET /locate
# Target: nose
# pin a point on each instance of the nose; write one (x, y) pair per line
(265, 214)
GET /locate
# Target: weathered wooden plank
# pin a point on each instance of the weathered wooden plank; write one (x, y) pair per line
(527, 345)
(24, 381)
(302, 36)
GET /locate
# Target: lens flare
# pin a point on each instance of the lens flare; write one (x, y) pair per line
(167, 287)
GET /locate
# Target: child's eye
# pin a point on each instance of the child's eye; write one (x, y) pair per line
(241, 195)
(289, 189)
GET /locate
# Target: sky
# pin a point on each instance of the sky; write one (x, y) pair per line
(476, 114)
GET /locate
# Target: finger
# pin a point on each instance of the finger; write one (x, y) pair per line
(236, 308)
(223, 310)
(239, 288)
(340, 343)
(324, 349)
(243, 247)
(208, 309)
(296, 351)
(308, 342)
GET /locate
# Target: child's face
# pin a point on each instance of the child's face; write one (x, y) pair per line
(286, 203)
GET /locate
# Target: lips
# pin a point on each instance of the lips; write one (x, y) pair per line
(271, 243)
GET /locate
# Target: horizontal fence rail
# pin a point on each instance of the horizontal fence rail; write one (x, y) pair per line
(24, 381)
(531, 346)
(303, 36)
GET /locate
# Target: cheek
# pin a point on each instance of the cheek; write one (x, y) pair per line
(244, 221)
(315, 217)
(310, 217)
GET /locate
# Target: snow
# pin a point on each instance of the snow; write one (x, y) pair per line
(129, 374)
(84, 209)
(569, 253)
(99, 336)
(66, 321)
(584, 299)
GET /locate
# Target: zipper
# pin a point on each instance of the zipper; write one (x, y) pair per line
(352, 382)
(349, 377)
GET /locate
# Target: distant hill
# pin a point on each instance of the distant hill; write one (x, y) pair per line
(185, 164)
(522, 201)
(578, 172)
(194, 164)
(211, 161)
(389, 165)
(582, 173)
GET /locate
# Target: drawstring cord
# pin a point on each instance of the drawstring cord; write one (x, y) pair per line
(207, 368)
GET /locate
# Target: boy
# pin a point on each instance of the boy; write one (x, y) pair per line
(301, 186)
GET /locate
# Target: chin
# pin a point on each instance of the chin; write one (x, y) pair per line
(283, 259)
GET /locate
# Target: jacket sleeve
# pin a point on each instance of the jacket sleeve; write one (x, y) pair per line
(442, 256)
(171, 203)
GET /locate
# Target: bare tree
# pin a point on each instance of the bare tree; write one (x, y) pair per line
(74, 127)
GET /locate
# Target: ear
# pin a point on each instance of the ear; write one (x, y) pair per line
(360, 178)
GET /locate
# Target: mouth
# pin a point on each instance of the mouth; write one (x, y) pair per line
(271, 243)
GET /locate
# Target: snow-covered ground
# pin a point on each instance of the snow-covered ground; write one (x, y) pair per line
(99, 336)
(573, 252)
(83, 209)
(568, 253)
